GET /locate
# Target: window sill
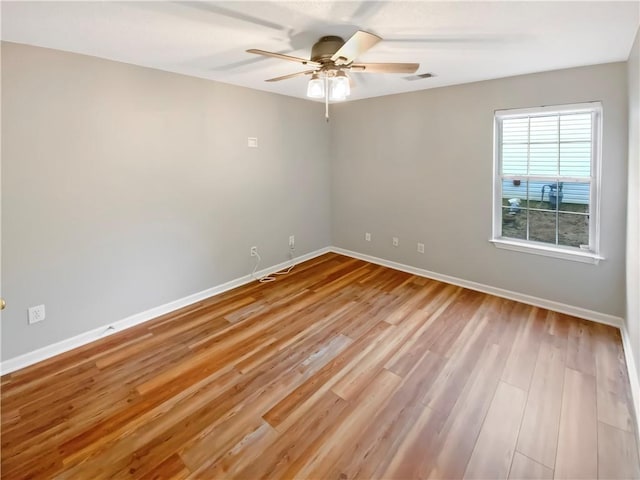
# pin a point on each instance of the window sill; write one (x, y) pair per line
(547, 251)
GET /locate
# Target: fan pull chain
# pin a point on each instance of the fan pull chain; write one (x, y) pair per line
(326, 98)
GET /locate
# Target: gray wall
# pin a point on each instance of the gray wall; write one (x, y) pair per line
(419, 166)
(632, 317)
(124, 188)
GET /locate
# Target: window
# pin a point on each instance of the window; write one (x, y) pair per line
(546, 182)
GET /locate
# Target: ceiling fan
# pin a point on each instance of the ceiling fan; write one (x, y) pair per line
(331, 59)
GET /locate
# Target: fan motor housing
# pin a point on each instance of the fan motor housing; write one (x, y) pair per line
(323, 49)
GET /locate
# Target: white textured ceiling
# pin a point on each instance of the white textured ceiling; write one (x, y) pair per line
(458, 42)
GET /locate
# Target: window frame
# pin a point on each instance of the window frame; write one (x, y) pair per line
(590, 255)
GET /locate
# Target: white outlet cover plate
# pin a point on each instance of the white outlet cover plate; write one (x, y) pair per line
(36, 314)
(367, 237)
(252, 142)
(395, 241)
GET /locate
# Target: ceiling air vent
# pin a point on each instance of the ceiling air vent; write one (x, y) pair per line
(419, 77)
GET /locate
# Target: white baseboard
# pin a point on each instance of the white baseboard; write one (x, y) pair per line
(634, 380)
(22, 361)
(498, 292)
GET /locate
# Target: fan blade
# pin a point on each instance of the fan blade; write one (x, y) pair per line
(303, 61)
(385, 67)
(359, 43)
(291, 75)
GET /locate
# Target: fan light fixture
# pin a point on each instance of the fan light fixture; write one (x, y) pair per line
(337, 87)
(315, 88)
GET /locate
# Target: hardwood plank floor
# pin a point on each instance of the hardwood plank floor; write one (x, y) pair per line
(494, 448)
(342, 369)
(577, 455)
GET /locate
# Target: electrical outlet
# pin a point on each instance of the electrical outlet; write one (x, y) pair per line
(36, 314)
(292, 241)
(252, 142)
(254, 251)
(420, 247)
(367, 237)
(395, 241)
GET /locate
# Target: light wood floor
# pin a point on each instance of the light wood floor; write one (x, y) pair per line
(342, 369)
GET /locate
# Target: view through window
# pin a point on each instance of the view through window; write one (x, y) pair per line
(546, 183)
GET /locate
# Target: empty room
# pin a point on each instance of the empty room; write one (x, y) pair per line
(320, 240)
